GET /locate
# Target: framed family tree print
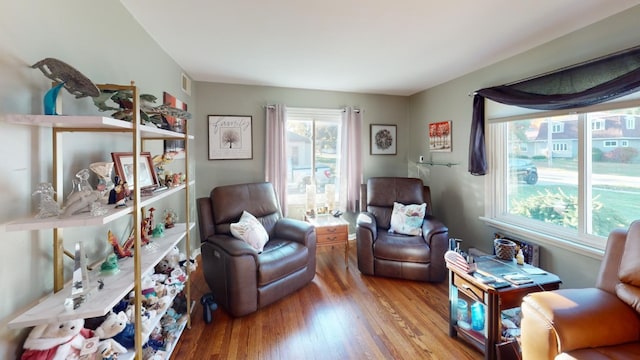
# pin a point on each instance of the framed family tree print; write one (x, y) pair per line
(383, 139)
(230, 137)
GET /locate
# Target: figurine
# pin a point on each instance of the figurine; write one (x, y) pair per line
(80, 201)
(158, 231)
(103, 170)
(120, 193)
(160, 161)
(146, 228)
(170, 218)
(48, 206)
(121, 251)
(110, 265)
(63, 75)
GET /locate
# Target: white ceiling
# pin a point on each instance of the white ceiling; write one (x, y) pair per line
(369, 46)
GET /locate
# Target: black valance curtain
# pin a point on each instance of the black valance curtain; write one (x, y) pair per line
(593, 82)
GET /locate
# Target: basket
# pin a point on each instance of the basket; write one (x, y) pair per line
(505, 249)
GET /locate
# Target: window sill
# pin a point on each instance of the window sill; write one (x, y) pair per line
(543, 239)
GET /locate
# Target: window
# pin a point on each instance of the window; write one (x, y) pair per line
(557, 127)
(560, 147)
(577, 194)
(597, 124)
(313, 155)
(631, 122)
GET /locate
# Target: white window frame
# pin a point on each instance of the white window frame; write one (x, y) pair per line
(496, 214)
(631, 122)
(610, 143)
(624, 143)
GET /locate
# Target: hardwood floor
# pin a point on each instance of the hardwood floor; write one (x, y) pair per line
(341, 314)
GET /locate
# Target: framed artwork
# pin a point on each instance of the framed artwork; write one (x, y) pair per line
(230, 137)
(383, 139)
(175, 148)
(123, 162)
(440, 136)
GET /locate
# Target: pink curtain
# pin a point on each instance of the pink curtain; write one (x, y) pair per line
(276, 152)
(352, 153)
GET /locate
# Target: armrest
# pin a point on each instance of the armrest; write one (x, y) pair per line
(436, 235)
(367, 221)
(231, 245)
(558, 321)
(432, 226)
(366, 235)
(293, 230)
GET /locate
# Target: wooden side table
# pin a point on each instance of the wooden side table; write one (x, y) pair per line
(470, 290)
(330, 231)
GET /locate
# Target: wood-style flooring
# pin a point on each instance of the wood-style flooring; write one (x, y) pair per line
(341, 314)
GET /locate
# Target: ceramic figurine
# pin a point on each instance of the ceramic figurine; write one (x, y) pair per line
(170, 218)
(110, 265)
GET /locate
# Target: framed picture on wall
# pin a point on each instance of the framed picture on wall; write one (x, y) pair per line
(230, 137)
(383, 139)
(440, 136)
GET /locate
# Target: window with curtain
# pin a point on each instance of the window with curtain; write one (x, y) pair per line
(565, 176)
(313, 160)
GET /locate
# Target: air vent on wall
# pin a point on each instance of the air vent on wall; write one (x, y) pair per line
(186, 84)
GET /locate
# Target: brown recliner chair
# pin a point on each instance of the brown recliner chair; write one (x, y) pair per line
(591, 323)
(241, 279)
(394, 255)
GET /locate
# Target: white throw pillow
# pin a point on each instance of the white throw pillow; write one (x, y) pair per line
(407, 219)
(251, 231)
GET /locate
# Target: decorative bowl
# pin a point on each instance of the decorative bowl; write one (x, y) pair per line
(505, 249)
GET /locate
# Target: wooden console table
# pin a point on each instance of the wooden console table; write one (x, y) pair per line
(493, 300)
(330, 231)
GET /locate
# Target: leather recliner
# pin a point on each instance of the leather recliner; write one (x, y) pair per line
(241, 279)
(592, 323)
(393, 255)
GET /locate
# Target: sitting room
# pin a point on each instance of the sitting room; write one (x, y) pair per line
(361, 143)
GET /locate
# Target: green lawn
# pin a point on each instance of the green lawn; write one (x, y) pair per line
(620, 202)
(599, 167)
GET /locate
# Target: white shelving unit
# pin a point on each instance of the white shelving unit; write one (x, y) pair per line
(100, 301)
(116, 286)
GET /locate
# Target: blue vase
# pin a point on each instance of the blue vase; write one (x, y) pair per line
(50, 99)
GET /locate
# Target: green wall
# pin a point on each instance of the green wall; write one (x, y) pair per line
(462, 194)
(225, 99)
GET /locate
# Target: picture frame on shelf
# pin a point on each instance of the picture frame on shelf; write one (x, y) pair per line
(230, 137)
(123, 162)
(440, 136)
(383, 139)
(174, 148)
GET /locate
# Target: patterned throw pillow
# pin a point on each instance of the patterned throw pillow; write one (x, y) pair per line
(407, 219)
(251, 231)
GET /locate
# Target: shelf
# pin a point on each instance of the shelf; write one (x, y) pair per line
(432, 163)
(77, 123)
(165, 354)
(116, 286)
(85, 219)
